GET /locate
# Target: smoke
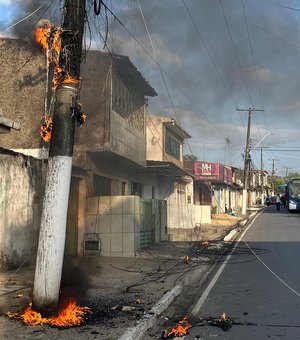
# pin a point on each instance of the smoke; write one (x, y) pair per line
(74, 282)
(25, 29)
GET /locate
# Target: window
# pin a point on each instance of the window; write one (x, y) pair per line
(102, 186)
(136, 189)
(173, 147)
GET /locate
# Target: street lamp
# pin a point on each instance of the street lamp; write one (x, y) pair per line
(262, 166)
(247, 167)
(266, 135)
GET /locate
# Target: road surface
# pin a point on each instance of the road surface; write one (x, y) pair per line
(258, 288)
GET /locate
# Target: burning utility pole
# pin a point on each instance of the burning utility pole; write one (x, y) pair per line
(67, 110)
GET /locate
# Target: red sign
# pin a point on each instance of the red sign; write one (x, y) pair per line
(205, 171)
(228, 175)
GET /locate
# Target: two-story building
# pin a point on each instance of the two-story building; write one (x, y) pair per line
(127, 182)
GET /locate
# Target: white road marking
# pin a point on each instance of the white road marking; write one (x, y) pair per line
(208, 289)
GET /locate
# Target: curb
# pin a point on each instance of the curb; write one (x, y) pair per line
(149, 319)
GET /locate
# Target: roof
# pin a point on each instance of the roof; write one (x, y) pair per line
(177, 129)
(131, 75)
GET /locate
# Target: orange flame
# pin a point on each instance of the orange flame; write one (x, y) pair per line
(223, 317)
(46, 129)
(180, 330)
(71, 315)
(50, 40)
(41, 37)
(205, 243)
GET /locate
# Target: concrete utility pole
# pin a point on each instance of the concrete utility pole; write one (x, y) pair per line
(273, 171)
(246, 160)
(262, 172)
(286, 171)
(273, 165)
(54, 215)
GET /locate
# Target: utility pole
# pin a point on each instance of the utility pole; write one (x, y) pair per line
(273, 165)
(262, 172)
(52, 236)
(273, 171)
(247, 159)
(286, 171)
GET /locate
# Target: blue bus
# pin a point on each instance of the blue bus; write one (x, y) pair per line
(293, 194)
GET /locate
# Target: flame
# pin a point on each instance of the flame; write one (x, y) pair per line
(30, 317)
(71, 315)
(41, 34)
(46, 129)
(205, 243)
(186, 259)
(50, 40)
(180, 330)
(223, 317)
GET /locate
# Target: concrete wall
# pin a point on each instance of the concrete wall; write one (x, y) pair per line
(155, 138)
(116, 219)
(181, 215)
(23, 91)
(127, 141)
(202, 214)
(21, 193)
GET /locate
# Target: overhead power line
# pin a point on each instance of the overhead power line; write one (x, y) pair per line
(25, 18)
(235, 52)
(252, 54)
(209, 54)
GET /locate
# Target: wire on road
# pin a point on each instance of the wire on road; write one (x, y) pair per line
(282, 281)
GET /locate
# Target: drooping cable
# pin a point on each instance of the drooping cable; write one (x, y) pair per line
(210, 55)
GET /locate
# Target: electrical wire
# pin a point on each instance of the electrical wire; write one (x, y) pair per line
(271, 271)
(25, 18)
(210, 55)
(252, 54)
(198, 110)
(235, 52)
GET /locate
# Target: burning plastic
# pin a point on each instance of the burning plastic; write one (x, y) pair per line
(180, 330)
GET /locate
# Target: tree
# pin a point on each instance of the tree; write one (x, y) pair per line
(293, 175)
(190, 157)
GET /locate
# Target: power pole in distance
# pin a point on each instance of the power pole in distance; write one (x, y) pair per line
(52, 236)
(273, 171)
(246, 160)
(286, 171)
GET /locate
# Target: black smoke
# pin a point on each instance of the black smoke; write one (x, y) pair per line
(24, 30)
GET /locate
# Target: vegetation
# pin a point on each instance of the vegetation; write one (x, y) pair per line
(191, 157)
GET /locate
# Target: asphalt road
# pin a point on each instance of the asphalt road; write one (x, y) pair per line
(259, 287)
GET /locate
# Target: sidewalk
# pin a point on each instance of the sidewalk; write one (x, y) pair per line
(122, 292)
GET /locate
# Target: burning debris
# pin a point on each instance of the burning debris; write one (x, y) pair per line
(205, 243)
(180, 329)
(69, 316)
(186, 259)
(222, 322)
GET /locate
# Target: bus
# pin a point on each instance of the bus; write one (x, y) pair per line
(293, 194)
(281, 189)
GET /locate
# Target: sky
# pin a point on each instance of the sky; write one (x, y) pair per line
(206, 59)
